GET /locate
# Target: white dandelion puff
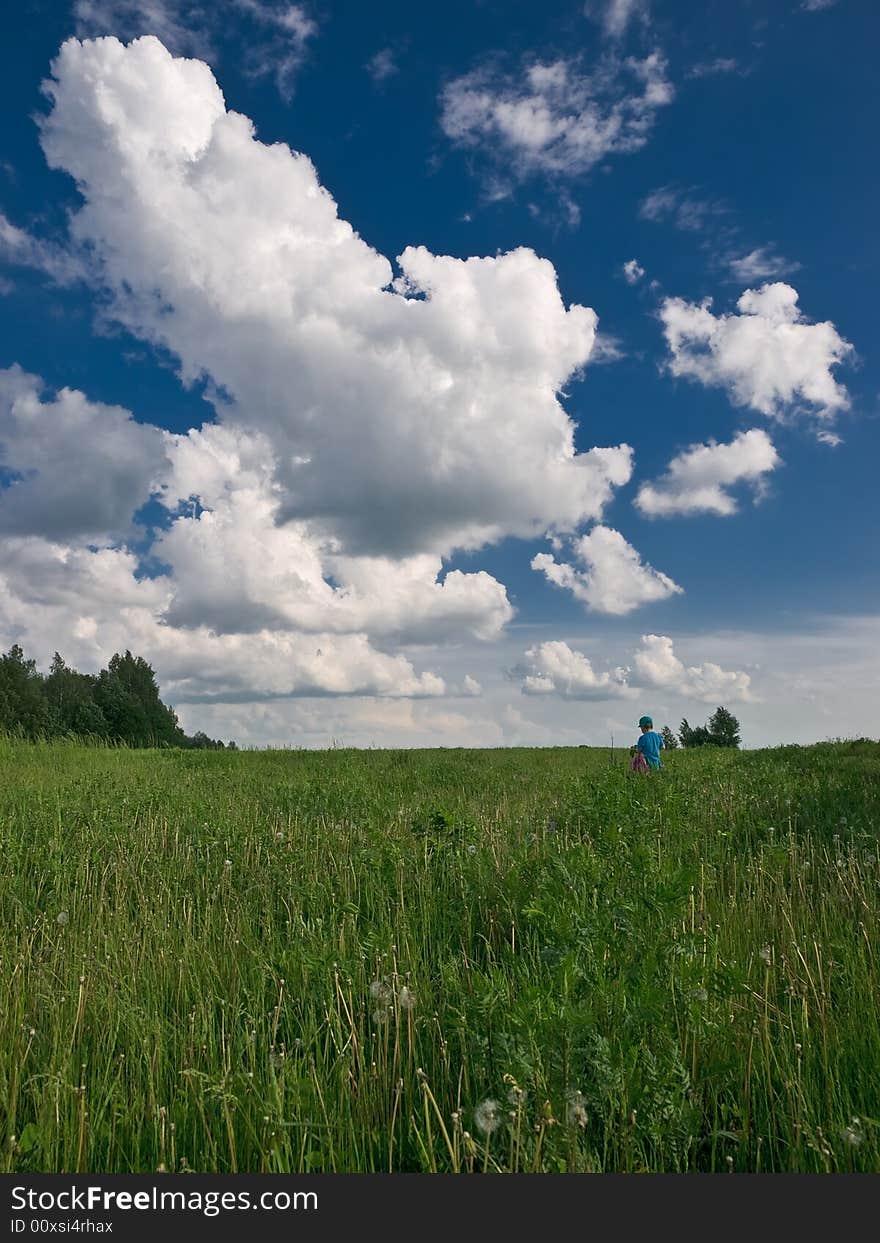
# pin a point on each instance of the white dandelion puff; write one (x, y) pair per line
(487, 1117)
(576, 1110)
(380, 992)
(62, 918)
(854, 1133)
(765, 954)
(406, 998)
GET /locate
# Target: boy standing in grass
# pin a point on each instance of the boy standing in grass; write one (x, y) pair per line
(648, 747)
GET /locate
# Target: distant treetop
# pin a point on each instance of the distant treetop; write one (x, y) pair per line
(120, 704)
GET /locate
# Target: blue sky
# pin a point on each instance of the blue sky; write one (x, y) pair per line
(286, 568)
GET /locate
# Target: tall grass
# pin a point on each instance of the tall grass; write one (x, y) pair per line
(438, 960)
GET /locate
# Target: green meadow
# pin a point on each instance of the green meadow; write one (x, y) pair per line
(451, 960)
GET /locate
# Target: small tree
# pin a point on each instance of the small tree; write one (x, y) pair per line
(670, 742)
(724, 728)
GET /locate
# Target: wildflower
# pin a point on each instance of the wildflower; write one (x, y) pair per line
(62, 918)
(854, 1133)
(576, 1110)
(487, 1117)
(765, 954)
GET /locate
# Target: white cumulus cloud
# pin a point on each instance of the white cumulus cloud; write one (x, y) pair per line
(406, 417)
(553, 668)
(767, 356)
(656, 665)
(633, 271)
(697, 480)
(614, 578)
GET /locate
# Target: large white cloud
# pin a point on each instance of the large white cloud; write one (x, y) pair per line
(614, 578)
(656, 665)
(697, 480)
(90, 603)
(554, 118)
(768, 356)
(404, 419)
(553, 668)
(237, 570)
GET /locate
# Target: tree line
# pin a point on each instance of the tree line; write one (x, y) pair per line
(721, 730)
(120, 704)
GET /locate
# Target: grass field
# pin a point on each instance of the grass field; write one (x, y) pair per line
(439, 960)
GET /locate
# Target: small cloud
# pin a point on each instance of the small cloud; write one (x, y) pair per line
(554, 668)
(382, 66)
(697, 480)
(759, 264)
(615, 16)
(606, 349)
(633, 271)
(553, 118)
(23, 249)
(614, 578)
(720, 65)
(683, 208)
(767, 355)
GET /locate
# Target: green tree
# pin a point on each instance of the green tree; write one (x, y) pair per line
(670, 742)
(23, 704)
(128, 697)
(724, 728)
(72, 696)
(694, 736)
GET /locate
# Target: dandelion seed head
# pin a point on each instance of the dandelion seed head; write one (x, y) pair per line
(854, 1133)
(765, 954)
(487, 1117)
(380, 992)
(62, 918)
(576, 1109)
(406, 998)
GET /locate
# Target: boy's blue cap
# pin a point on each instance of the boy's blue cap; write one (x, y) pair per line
(646, 720)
